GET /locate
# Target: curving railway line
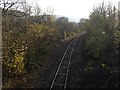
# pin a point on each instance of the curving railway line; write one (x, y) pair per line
(61, 75)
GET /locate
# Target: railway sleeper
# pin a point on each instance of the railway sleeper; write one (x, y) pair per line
(63, 70)
(58, 85)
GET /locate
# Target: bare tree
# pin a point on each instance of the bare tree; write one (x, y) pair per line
(11, 7)
(37, 10)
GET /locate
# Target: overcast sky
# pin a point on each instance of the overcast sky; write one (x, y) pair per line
(70, 8)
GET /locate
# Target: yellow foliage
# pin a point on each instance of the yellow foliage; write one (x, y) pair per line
(17, 65)
(13, 54)
(42, 30)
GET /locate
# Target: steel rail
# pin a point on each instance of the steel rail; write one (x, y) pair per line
(68, 65)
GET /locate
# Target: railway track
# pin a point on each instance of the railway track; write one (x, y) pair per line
(61, 75)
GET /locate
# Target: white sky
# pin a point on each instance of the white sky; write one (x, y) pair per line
(70, 8)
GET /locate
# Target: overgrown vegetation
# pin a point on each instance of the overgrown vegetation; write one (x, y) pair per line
(29, 40)
(101, 51)
(30, 37)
